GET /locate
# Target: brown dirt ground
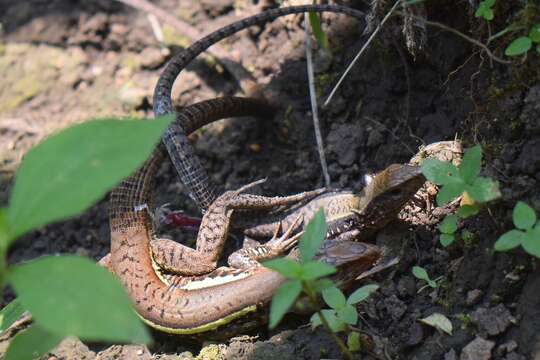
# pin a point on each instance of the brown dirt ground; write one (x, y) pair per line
(64, 62)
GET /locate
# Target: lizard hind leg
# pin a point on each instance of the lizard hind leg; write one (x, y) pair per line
(278, 245)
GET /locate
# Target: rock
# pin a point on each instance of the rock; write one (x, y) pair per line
(416, 334)
(138, 352)
(451, 355)
(132, 97)
(406, 286)
(506, 347)
(152, 58)
(493, 321)
(344, 141)
(473, 297)
(478, 349)
(529, 159)
(395, 307)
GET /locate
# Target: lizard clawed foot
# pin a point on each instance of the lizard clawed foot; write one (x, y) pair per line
(281, 244)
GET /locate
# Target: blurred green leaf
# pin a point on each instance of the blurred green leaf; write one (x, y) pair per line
(483, 189)
(335, 323)
(286, 267)
(446, 239)
(314, 235)
(362, 293)
(32, 343)
(440, 172)
(534, 34)
(523, 216)
(282, 300)
(465, 211)
(531, 241)
(73, 169)
(320, 35)
(438, 321)
(449, 224)
(334, 298)
(449, 192)
(353, 341)
(64, 300)
(509, 240)
(519, 46)
(321, 284)
(316, 269)
(471, 164)
(348, 314)
(10, 313)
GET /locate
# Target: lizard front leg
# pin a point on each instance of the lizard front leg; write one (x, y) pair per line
(179, 259)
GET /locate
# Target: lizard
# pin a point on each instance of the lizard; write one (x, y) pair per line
(173, 304)
(188, 166)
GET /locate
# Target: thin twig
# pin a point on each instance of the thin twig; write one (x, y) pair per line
(460, 34)
(362, 50)
(313, 98)
(242, 76)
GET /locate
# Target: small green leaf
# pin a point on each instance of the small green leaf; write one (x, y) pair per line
(334, 298)
(32, 343)
(286, 267)
(420, 273)
(335, 323)
(466, 235)
(316, 269)
(449, 224)
(519, 46)
(471, 164)
(531, 241)
(321, 284)
(483, 189)
(523, 216)
(440, 172)
(534, 34)
(488, 14)
(489, 3)
(353, 341)
(73, 169)
(446, 240)
(5, 233)
(10, 313)
(314, 235)
(315, 321)
(320, 35)
(282, 300)
(348, 314)
(480, 11)
(465, 211)
(362, 293)
(438, 321)
(509, 240)
(74, 296)
(449, 192)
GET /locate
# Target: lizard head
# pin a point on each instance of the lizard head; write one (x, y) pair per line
(387, 192)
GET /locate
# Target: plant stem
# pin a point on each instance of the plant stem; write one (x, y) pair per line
(313, 299)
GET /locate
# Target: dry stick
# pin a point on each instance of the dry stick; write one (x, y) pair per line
(362, 50)
(242, 76)
(313, 98)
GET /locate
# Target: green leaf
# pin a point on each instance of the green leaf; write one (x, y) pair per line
(449, 224)
(353, 341)
(449, 192)
(315, 321)
(523, 216)
(5, 233)
(534, 34)
(519, 46)
(321, 284)
(465, 211)
(73, 169)
(71, 295)
(466, 235)
(10, 313)
(531, 241)
(446, 240)
(480, 11)
(283, 299)
(362, 293)
(316, 269)
(483, 189)
(334, 298)
(509, 240)
(471, 164)
(32, 343)
(440, 172)
(438, 321)
(335, 323)
(488, 14)
(321, 37)
(420, 273)
(286, 267)
(348, 314)
(489, 3)
(314, 235)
